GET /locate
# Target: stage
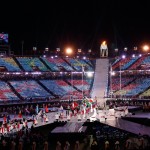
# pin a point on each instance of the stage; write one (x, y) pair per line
(74, 123)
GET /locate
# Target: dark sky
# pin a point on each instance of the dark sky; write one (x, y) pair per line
(80, 24)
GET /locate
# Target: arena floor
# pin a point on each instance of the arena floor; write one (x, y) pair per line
(110, 120)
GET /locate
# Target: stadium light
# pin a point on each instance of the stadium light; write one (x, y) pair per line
(58, 49)
(112, 73)
(69, 51)
(89, 51)
(79, 50)
(46, 49)
(135, 48)
(145, 48)
(89, 74)
(125, 49)
(123, 56)
(140, 55)
(116, 50)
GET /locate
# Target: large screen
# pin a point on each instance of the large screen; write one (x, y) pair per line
(3, 38)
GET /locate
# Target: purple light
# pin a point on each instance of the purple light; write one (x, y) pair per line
(140, 55)
(123, 56)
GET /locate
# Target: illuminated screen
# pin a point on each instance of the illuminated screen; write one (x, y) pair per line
(3, 38)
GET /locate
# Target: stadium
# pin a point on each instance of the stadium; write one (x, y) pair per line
(49, 100)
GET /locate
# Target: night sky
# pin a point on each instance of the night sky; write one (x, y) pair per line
(79, 24)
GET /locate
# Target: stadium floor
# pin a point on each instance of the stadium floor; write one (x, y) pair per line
(111, 120)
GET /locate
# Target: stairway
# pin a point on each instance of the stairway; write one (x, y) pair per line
(72, 86)
(17, 62)
(100, 83)
(45, 63)
(69, 63)
(13, 89)
(45, 88)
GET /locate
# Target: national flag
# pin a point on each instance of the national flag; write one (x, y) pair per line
(37, 109)
(74, 105)
(46, 109)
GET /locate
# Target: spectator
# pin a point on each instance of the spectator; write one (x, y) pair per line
(117, 145)
(45, 145)
(67, 146)
(20, 145)
(94, 145)
(58, 146)
(34, 145)
(13, 145)
(77, 146)
(128, 145)
(106, 145)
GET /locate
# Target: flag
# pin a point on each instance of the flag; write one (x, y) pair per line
(46, 109)
(90, 100)
(74, 105)
(37, 109)
(82, 68)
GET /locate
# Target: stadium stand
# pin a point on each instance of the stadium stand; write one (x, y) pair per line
(9, 64)
(30, 89)
(31, 64)
(6, 94)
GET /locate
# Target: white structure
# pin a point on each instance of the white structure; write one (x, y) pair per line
(103, 50)
(99, 88)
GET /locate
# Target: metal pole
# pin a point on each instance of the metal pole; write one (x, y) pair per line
(82, 79)
(72, 83)
(111, 80)
(120, 81)
(22, 43)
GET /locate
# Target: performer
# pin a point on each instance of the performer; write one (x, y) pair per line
(2, 129)
(84, 111)
(68, 117)
(61, 109)
(37, 109)
(35, 122)
(26, 123)
(4, 119)
(8, 128)
(20, 114)
(57, 116)
(47, 119)
(91, 107)
(44, 117)
(18, 126)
